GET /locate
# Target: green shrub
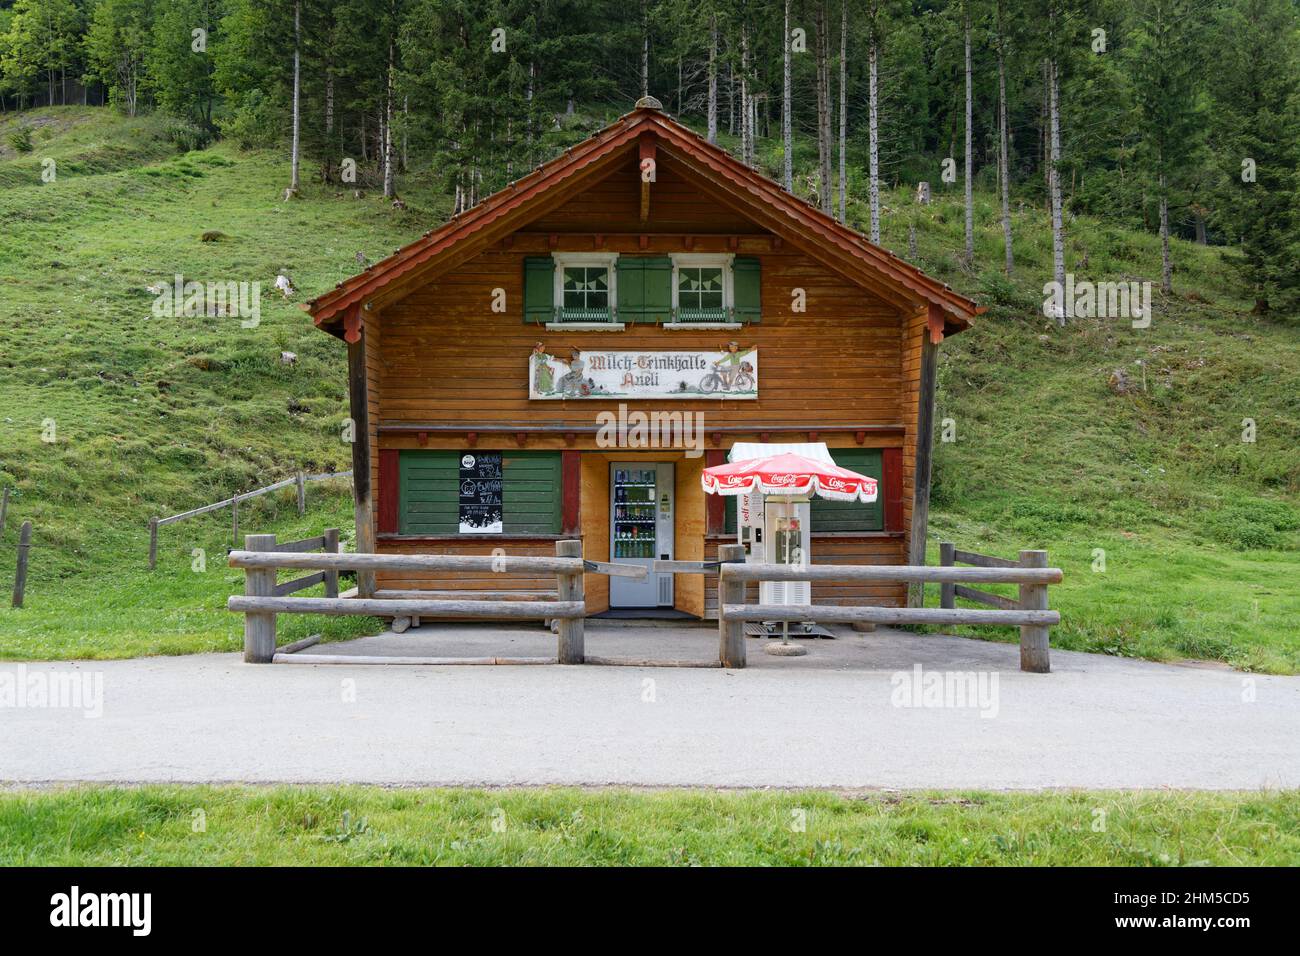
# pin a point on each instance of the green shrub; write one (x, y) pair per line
(1253, 524)
(997, 289)
(21, 139)
(187, 136)
(256, 123)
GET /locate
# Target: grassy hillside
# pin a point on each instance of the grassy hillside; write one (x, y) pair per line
(1199, 530)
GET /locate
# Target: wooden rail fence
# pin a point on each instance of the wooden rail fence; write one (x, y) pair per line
(299, 481)
(263, 599)
(1030, 613)
(260, 602)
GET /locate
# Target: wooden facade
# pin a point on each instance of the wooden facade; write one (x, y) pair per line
(440, 351)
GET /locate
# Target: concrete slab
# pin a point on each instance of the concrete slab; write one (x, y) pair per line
(836, 717)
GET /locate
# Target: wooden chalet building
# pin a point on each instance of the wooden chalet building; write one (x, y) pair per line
(649, 269)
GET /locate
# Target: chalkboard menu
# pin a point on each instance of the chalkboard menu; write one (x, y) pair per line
(480, 493)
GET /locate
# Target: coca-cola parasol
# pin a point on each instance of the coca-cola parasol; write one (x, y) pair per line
(788, 474)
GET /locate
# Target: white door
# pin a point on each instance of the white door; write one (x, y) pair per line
(641, 530)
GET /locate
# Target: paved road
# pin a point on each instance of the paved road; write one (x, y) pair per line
(829, 719)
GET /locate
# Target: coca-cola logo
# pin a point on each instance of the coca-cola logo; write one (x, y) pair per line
(836, 484)
(782, 480)
(733, 481)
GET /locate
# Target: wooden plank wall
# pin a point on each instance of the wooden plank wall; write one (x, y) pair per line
(448, 358)
(614, 205)
(913, 332)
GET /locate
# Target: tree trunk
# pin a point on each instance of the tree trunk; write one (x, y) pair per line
(389, 190)
(1058, 235)
(1004, 155)
(745, 132)
(329, 100)
(645, 50)
(1166, 266)
(844, 108)
(970, 198)
(297, 86)
(731, 99)
(874, 134)
(787, 142)
(825, 188)
(713, 79)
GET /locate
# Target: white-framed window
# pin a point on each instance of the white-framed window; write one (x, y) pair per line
(703, 290)
(586, 283)
(702, 286)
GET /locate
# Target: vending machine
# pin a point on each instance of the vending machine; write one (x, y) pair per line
(774, 530)
(641, 531)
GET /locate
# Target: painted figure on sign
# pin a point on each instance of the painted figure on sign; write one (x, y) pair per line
(731, 371)
(543, 376)
(572, 384)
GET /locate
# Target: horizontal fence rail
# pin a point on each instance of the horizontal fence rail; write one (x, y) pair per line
(871, 572)
(883, 615)
(389, 607)
(405, 562)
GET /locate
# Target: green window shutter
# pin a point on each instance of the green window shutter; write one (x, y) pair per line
(729, 506)
(539, 289)
(429, 487)
(853, 515)
(531, 492)
(645, 288)
(746, 276)
(658, 302)
(630, 278)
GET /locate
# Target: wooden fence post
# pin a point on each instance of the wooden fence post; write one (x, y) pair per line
(947, 592)
(259, 626)
(4, 508)
(570, 649)
(331, 577)
(153, 543)
(20, 575)
(1034, 653)
(301, 481)
(731, 634)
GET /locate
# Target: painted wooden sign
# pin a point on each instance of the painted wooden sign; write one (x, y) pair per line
(649, 374)
(480, 493)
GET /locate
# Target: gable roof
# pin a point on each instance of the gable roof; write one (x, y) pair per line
(814, 232)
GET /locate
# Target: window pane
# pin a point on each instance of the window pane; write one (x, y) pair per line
(699, 288)
(586, 287)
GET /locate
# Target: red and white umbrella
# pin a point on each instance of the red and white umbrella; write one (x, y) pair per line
(788, 474)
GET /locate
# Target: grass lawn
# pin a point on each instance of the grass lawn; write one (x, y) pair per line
(368, 826)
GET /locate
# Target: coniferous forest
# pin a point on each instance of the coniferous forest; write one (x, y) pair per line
(1181, 117)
